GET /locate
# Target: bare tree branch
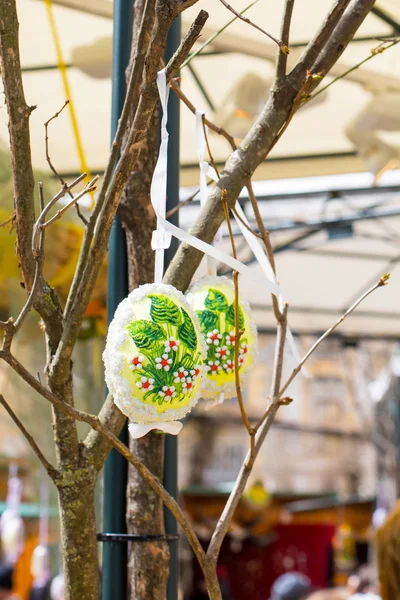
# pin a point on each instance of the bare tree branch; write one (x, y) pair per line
(52, 471)
(98, 426)
(281, 59)
(265, 424)
(238, 333)
(97, 445)
(335, 42)
(316, 45)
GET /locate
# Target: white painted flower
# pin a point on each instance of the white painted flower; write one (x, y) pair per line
(145, 383)
(136, 362)
(172, 344)
(214, 337)
(222, 351)
(230, 338)
(214, 367)
(167, 392)
(163, 362)
(180, 375)
(188, 384)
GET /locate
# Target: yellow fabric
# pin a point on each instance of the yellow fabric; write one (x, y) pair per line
(64, 76)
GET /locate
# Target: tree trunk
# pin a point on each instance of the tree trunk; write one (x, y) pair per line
(148, 561)
(78, 534)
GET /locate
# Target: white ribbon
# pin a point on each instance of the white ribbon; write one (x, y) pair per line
(158, 198)
(158, 191)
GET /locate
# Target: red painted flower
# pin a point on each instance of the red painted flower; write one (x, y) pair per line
(167, 392)
(229, 366)
(171, 344)
(222, 351)
(180, 375)
(188, 385)
(136, 362)
(163, 362)
(230, 338)
(214, 337)
(195, 372)
(145, 384)
(243, 348)
(214, 367)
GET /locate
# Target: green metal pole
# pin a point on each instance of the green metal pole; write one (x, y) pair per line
(114, 581)
(171, 441)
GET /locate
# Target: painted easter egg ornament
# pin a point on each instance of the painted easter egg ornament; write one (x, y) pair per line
(154, 358)
(212, 299)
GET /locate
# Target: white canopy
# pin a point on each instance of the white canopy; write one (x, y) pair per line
(322, 273)
(234, 74)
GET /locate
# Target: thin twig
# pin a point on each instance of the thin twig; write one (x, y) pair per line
(215, 35)
(278, 365)
(52, 471)
(8, 328)
(29, 302)
(37, 226)
(374, 52)
(383, 281)
(264, 234)
(181, 204)
(46, 139)
(281, 60)
(243, 412)
(9, 220)
(301, 95)
(280, 43)
(52, 167)
(213, 163)
(90, 187)
(235, 212)
(175, 87)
